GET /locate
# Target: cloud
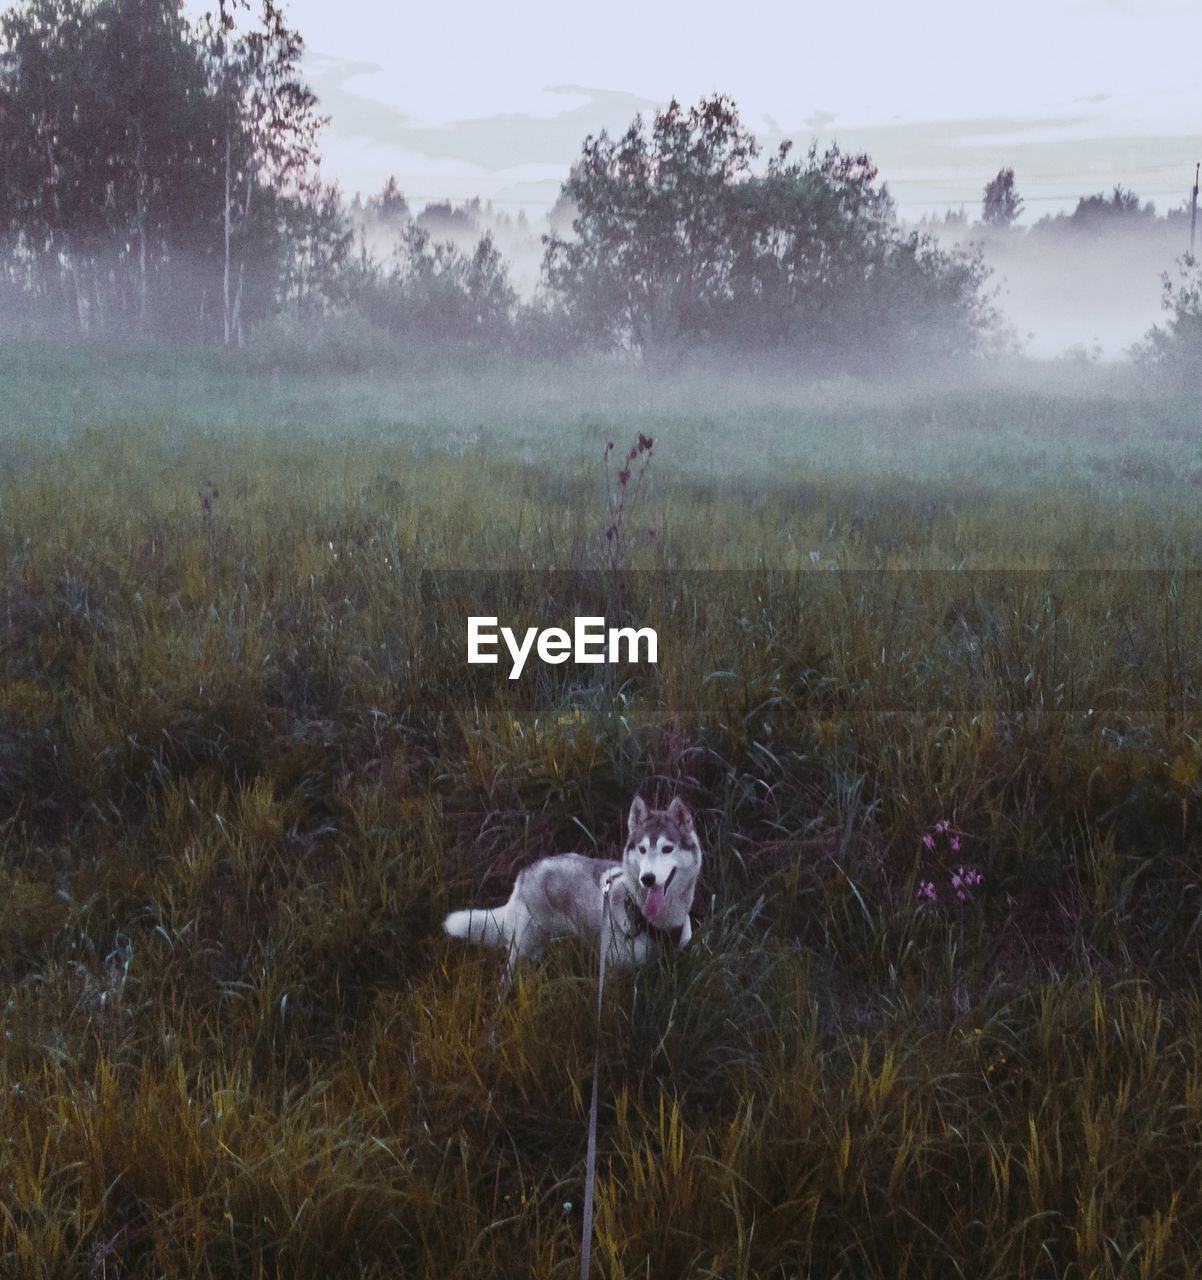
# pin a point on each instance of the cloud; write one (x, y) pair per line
(495, 143)
(523, 156)
(352, 113)
(935, 163)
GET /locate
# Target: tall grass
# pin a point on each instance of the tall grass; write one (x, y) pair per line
(245, 770)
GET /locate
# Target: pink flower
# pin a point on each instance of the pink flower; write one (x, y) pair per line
(964, 881)
(955, 843)
(926, 889)
(929, 840)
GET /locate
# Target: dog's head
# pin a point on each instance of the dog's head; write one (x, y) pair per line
(662, 861)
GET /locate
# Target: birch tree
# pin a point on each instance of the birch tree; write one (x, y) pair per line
(270, 127)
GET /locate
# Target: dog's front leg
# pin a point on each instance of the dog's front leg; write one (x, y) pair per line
(686, 932)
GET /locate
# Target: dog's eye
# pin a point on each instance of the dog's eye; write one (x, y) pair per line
(669, 847)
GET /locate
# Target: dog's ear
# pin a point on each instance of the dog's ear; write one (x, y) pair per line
(679, 813)
(638, 814)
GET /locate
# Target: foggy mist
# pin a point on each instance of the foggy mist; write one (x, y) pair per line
(1092, 295)
(891, 530)
(1096, 294)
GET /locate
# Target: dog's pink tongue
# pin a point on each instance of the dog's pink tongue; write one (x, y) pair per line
(653, 905)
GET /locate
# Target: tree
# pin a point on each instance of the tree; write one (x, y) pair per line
(1121, 208)
(437, 294)
(1000, 202)
(652, 242)
(104, 148)
(816, 241)
(441, 218)
(270, 127)
(1121, 211)
(389, 208)
(679, 244)
(1176, 348)
(150, 166)
(319, 238)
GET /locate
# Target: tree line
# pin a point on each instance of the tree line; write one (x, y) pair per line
(162, 177)
(158, 176)
(1119, 210)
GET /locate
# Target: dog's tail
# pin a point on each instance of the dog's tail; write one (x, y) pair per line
(489, 926)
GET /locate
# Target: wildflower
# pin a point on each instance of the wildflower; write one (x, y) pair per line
(927, 890)
(815, 556)
(964, 881)
(942, 825)
(928, 840)
(955, 842)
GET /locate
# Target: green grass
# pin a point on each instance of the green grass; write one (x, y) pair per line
(245, 770)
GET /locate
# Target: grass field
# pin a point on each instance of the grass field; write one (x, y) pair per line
(909, 637)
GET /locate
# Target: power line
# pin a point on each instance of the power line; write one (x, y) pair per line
(1076, 195)
(901, 204)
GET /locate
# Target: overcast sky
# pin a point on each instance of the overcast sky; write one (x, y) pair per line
(495, 98)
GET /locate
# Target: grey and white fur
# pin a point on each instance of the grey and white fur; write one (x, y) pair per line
(651, 891)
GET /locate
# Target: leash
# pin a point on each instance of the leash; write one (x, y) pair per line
(590, 1159)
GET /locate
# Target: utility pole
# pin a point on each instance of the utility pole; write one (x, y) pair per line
(1193, 209)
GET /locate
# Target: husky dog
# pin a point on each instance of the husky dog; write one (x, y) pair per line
(650, 893)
